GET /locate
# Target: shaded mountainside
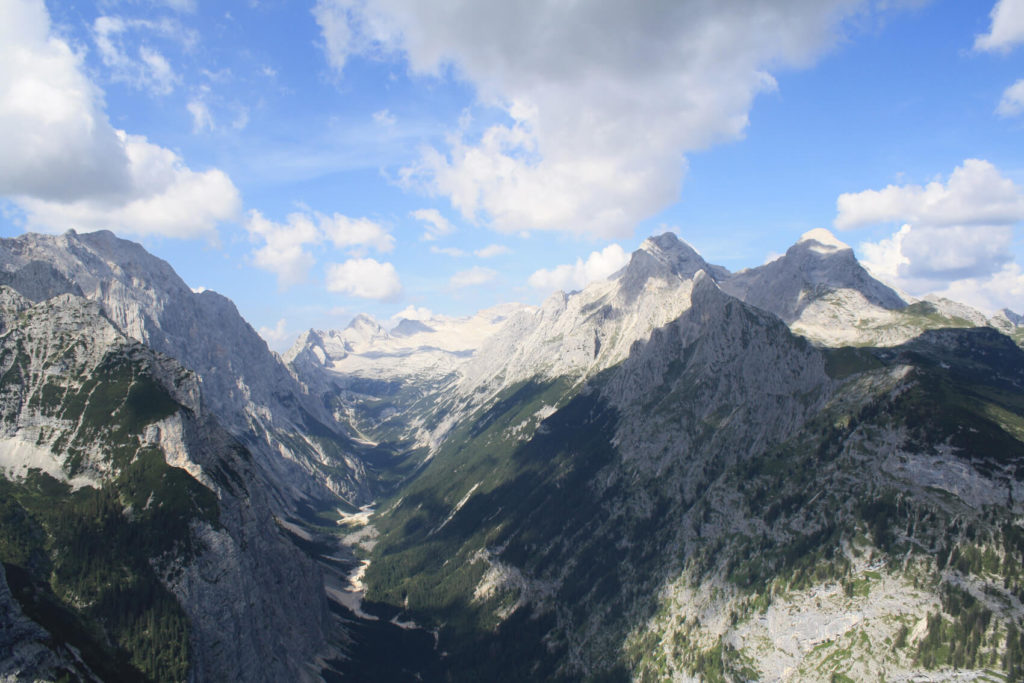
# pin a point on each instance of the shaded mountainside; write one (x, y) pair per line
(729, 502)
(133, 528)
(787, 473)
(246, 385)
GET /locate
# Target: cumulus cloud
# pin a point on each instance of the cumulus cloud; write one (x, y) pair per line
(1012, 101)
(435, 226)
(603, 100)
(283, 252)
(413, 313)
(286, 249)
(598, 266)
(922, 258)
(56, 139)
(975, 194)
(166, 198)
(278, 337)
(473, 277)
(365, 278)
(63, 163)
(1007, 29)
(1002, 289)
(956, 236)
(492, 250)
(355, 232)
(885, 258)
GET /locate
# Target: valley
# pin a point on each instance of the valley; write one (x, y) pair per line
(789, 473)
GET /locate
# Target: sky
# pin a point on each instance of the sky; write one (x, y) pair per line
(315, 159)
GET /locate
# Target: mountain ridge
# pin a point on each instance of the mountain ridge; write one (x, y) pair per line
(243, 381)
(648, 478)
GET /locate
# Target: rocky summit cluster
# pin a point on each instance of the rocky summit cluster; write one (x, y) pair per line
(788, 473)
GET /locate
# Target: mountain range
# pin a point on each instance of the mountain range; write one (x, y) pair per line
(792, 472)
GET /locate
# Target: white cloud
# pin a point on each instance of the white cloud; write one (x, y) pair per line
(922, 258)
(241, 119)
(201, 117)
(975, 194)
(57, 143)
(65, 166)
(166, 198)
(603, 99)
(447, 251)
(333, 17)
(885, 258)
(384, 118)
(473, 277)
(278, 337)
(956, 236)
(598, 266)
(355, 232)
(283, 252)
(413, 313)
(150, 71)
(181, 5)
(436, 224)
(1002, 289)
(1012, 102)
(365, 278)
(1007, 28)
(492, 250)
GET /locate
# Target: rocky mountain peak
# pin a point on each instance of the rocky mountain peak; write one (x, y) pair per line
(407, 328)
(664, 257)
(365, 322)
(822, 241)
(818, 265)
(1015, 318)
(309, 347)
(247, 386)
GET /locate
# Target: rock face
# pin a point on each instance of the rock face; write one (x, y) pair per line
(380, 380)
(1015, 318)
(582, 333)
(816, 265)
(246, 385)
(718, 497)
(114, 468)
(27, 651)
(675, 474)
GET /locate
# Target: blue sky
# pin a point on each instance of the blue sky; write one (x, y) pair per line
(312, 160)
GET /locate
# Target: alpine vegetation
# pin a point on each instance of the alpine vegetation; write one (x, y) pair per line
(792, 472)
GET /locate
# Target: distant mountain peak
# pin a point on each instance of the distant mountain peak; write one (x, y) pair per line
(407, 327)
(817, 265)
(664, 256)
(364, 321)
(822, 238)
(669, 248)
(1012, 316)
